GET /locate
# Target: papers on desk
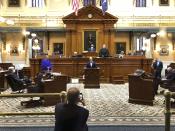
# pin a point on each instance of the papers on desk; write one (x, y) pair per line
(48, 80)
(56, 74)
(74, 80)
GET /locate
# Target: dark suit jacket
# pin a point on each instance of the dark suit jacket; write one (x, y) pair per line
(103, 52)
(70, 117)
(157, 69)
(88, 65)
(14, 82)
(170, 75)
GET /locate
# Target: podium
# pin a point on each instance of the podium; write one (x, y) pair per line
(91, 78)
(141, 90)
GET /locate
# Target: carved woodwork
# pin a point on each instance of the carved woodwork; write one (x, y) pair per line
(74, 67)
(77, 25)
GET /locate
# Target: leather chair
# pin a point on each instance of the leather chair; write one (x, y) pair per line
(172, 65)
(141, 90)
(15, 84)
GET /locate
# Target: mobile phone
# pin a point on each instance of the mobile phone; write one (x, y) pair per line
(81, 96)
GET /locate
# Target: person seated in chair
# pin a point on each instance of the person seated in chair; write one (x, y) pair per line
(91, 63)
(13, 80)
(37, 88)
(39, 85)
(169, 82)
(23, 77)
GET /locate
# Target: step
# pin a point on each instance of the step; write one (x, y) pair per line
(118, 81)
(117, 77)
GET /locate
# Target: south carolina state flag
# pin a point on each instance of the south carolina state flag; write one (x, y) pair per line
(104, 4)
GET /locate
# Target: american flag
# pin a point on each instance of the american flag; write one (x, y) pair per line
(75, 6)
(1, 4)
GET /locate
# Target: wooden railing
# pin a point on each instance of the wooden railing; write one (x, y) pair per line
(168, 111)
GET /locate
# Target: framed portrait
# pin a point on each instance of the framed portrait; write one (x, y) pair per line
(14, 51)
(13, 3)
(164, 50)
(164, 2)
(90, 41)
(119, 47)
(58, 48)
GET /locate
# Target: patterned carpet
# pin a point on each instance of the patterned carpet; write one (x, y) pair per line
(107, 105)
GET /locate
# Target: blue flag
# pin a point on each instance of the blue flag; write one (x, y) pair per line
(104, 4)
(86, 2)
(89, 2)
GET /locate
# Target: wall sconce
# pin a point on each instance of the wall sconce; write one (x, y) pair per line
(33, 35)
(8, 48)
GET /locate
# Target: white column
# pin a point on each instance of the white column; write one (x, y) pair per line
(29, 51)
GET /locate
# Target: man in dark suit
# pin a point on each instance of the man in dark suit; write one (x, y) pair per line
(91, 63)
(157, 66)
(104, 52)
(69, 116)
(169, 82)
(14, 81)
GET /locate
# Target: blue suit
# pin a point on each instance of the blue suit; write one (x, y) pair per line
(46, 65)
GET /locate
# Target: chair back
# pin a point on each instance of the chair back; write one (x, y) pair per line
(14, 84)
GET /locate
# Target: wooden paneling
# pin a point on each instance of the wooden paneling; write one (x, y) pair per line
(77, 25)
(109, 67)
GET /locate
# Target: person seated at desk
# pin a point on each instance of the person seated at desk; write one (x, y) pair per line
(104, 51)
(91, 48)
(91, 63)
(46, 64)
(14, 81)
(169, 78)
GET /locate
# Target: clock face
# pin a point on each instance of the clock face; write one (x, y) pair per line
(89, 16)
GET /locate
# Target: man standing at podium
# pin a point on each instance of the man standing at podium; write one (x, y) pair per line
(104, 52)
(91, 63)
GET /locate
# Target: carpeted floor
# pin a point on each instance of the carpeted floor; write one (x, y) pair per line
(107, 105)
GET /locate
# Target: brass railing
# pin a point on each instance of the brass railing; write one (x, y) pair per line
(62, 96)
(168, 111)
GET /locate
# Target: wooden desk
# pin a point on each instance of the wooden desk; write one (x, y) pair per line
(3, 82)
(5, 66)
(92, 78)
(57, 85)
(138, 93)
(74, 67)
